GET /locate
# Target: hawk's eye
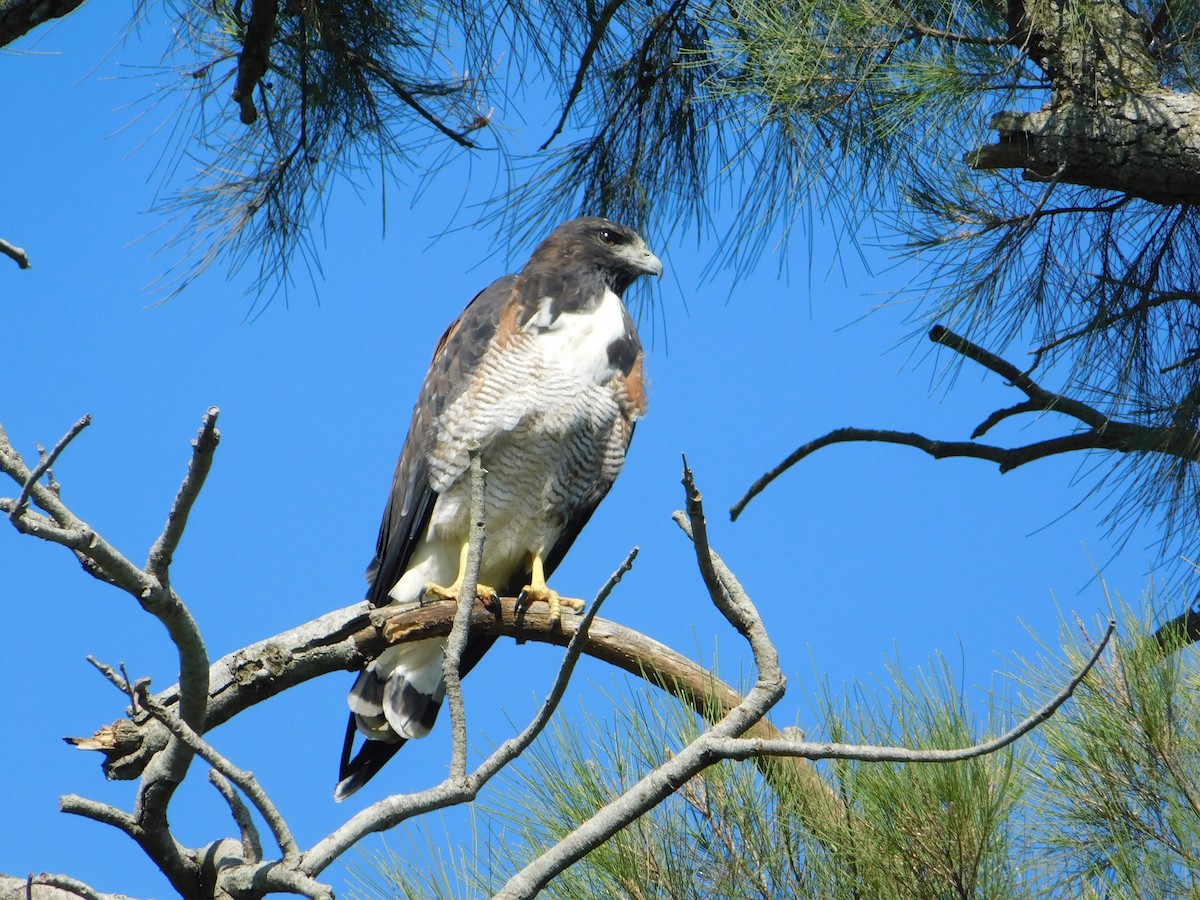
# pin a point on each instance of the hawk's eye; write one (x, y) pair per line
(611, 237)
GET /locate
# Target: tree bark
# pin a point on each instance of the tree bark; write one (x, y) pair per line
(1109, 122)
(1146, 145)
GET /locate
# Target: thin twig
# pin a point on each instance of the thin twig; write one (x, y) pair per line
(243, 779)
(120, 681)
(1007, 459)
(1103, 433)
(1152, 300)
(44, 465)
(599, 28)
(1089, 415)
(957, 37)
(15, 253)
(67, 529)
(407, 97)
(251, 842)
(456, 643)
(1036, 212)
(741, 748)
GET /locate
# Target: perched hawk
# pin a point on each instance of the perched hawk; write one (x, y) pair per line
(543, 373)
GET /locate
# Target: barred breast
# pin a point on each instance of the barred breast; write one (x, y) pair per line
(549, 411)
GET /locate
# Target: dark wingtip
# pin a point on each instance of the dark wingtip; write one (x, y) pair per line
(371, 757)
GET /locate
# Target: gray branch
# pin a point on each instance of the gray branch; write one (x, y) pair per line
(46, 886)
(392, 810)
(456, 643)
(13, 252)
(733, 602)
(244, 780)
(150, 586)
(251, 842)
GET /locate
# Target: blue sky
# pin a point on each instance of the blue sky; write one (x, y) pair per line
(860, 554)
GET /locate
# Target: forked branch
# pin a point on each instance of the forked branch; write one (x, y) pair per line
(1099, 432)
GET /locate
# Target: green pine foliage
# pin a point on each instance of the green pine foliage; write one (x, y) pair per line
(1115, 779)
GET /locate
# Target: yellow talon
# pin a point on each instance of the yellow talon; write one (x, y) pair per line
(440, 592)
(537, 591)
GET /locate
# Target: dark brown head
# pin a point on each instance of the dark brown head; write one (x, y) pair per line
(591, 246)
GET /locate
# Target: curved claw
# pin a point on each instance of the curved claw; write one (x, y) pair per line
(532, 594)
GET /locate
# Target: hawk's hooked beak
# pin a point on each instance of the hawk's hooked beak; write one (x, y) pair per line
(647, 263)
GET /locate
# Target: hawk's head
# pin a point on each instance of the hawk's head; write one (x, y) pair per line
(593, 244)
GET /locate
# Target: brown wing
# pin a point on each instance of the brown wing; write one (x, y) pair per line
(410, 505)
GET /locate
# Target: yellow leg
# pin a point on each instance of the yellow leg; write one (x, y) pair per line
(438, 592)
(537, 591)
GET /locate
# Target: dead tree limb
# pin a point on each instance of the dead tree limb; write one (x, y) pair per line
(1100, 432)
(16, 254)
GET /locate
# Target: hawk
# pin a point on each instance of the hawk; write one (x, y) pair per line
(543, 374)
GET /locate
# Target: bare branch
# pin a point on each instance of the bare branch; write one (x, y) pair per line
(729, 597)
(19, 256)
(1000, 415)
(456, 643)
(203, 448)
(68, 530)
(722, 741)
(1103, 433)
(1049, 401)
(104, 813)
(46, 886)
(740, 748)
(119, 680)
(167, 769)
